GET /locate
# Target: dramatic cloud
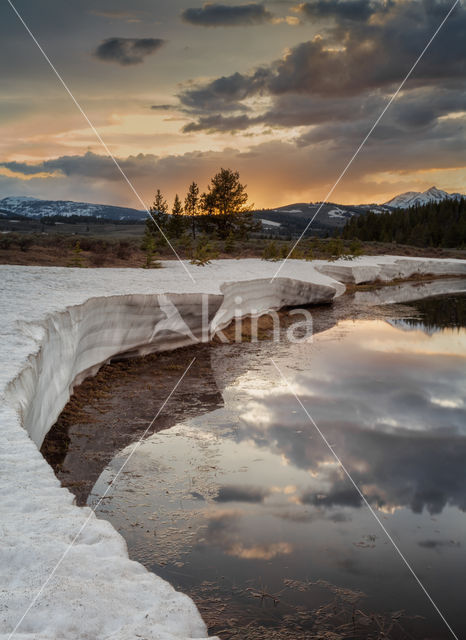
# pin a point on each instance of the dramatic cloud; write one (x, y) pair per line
(226, 92)
(221, 15)
(345, 73)
(127, 51)
(344, 496)
(340, 9)
(298, 173)
(232, 493)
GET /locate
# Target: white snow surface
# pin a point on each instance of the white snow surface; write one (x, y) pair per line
(270, 223)
(59, 325)
(412, 198)
(386, 268)
(336, 213)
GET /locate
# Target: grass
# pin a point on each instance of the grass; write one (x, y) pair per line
(104, 246)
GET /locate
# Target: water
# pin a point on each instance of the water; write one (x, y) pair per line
(246, 509)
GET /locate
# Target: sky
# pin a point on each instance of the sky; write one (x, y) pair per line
(282, 91)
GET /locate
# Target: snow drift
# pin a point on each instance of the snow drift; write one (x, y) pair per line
(386, 268)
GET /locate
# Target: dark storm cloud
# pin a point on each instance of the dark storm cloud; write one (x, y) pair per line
(346, 122)
(351, 66)
(127, 51)
(77, 165)
(220, 15)
(340, 9)
(217, 122)
(162, 107)
(350, 60)
(293, 111)
(451, 132)
(226, 92)
(234, 493)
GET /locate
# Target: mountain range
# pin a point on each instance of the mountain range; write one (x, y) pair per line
(416, 198)
(290, 219)
(27, 207)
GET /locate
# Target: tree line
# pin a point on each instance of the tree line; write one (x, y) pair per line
(221, 212)
(436, 224)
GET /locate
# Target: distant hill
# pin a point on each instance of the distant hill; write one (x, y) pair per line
(417, 198)
(294, 218)
(288, 220)
(36, 209)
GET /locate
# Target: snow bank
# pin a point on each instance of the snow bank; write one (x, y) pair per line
(60, 325)
(386, 268)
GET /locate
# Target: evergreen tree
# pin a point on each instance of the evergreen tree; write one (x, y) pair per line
(150, 249)
(191, 206)
(435, 224)
(225, 205)
(355, 247)
(76, 260)
(204, 252)
(229, 246)
(271, 252)
(158, 219)
(335, 248)
(177, 223)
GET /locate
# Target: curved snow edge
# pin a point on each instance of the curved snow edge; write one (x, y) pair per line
(121, 598)
(387, 268)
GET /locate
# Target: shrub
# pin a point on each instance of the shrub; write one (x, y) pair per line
(25, 243)
(76, 260)
(203, 253)
(5, 242)
(123, 250)
(271, 252)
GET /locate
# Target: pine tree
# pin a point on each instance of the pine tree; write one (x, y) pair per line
(225, 204)
(177, 223)
(157, 222)
(335, 248)
(355, 247)
(436, 224)
(150, 249)
(76, 260)
(191, 206)
(229, 246)
(203, 253)
(271, 252)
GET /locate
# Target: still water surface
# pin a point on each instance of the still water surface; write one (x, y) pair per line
(246, 509)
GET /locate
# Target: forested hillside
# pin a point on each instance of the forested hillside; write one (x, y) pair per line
(437, 224)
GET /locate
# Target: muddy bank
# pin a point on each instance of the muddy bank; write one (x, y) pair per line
(114, 408)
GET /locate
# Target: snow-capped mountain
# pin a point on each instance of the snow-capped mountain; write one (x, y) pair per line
(412, 198)
(35, 208)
